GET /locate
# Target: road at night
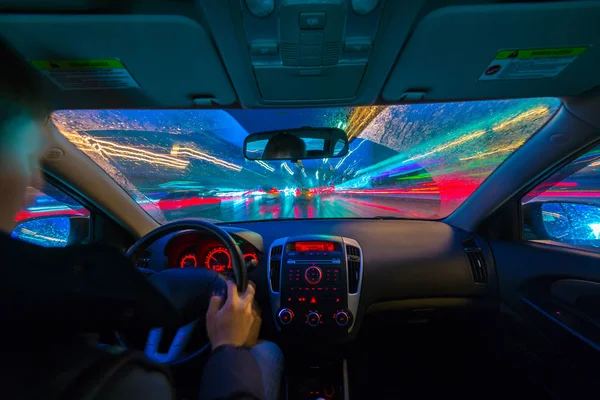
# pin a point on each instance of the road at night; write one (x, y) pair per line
(320, 206)
(415, 162)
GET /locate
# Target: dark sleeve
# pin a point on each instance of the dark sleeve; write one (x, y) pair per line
(231, 373)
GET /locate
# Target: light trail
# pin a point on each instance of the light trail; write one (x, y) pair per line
(287, 168)
(360, 118)
(178, 150)
(105, 147)
(265, 165)
(499, 150)
(450, 145)
(532, 114)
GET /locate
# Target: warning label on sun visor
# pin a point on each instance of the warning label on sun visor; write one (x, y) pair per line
(87, 74)
(530, 63)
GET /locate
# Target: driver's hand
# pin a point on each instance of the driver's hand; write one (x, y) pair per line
(232, 323)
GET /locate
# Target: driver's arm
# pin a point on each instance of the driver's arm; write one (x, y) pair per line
(232, 372)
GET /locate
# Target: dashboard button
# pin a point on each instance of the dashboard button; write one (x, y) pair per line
(357, 45)
(313, 319)
(264, 48)
(285, 316)
(313, 275)
(342, 318)
(312, 20)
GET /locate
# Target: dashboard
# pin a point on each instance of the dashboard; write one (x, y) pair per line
(194, 249)
(366, 266)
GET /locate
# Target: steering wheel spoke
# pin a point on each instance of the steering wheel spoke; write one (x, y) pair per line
(189, 289)
(177, 345)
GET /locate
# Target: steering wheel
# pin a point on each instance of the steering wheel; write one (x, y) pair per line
(189, 289)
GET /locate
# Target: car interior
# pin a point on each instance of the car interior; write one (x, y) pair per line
(438, 236)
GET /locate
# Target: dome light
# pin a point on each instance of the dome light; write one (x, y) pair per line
(363, 7)
(260, 8)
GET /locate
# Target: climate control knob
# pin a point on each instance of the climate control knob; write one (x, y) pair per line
(342, 318)
(313, 319)
(313, 275)
(285, 316)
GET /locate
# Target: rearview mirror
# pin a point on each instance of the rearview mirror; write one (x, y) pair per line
(296, 144)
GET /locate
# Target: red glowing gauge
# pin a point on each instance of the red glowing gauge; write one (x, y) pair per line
(188, 260)
(250, 257)
(218, 259)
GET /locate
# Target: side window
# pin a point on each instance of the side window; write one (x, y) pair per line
(51, 219)
(566, 207)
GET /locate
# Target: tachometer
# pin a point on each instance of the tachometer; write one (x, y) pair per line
(218, 259)
(188, 260)
(250, 257)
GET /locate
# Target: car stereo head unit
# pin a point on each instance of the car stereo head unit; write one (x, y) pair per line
(310, 283)
(313, 247)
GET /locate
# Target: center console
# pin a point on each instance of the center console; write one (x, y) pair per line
(315, 283)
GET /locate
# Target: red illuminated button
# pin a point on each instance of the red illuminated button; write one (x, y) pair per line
(313, 300)
(313, 275)
(313, 319)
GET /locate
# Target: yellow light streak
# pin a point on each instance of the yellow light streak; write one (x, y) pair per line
(106, 147)
(499, 150)
(451, 144)
(178, 150)
(534, 113)
(359, 118)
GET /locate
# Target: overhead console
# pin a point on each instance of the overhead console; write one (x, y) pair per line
(315, 283)
(311, 50)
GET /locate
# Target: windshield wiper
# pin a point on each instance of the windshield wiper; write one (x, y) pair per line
(386, 217)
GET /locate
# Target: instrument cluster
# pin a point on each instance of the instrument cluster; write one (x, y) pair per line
(195, 250)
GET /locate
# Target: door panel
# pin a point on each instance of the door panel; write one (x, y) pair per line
(581, 295)
(550, 296)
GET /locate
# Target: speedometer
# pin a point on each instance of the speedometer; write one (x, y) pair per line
(218, 259)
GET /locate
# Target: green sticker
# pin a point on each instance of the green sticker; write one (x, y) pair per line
(547, 63)
(77, 64)
(541, 53)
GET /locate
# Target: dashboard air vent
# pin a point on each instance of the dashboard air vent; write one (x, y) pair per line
(476, 260)
(276, 251)
(470, 244)
(275, 267)
(353, 254)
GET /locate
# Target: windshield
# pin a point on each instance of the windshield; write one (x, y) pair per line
(407, 161)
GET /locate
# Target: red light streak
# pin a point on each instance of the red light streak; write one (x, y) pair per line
(167, 205)
(24, 215)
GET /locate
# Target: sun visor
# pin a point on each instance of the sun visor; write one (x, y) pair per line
(500, 51)
(121, 61)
